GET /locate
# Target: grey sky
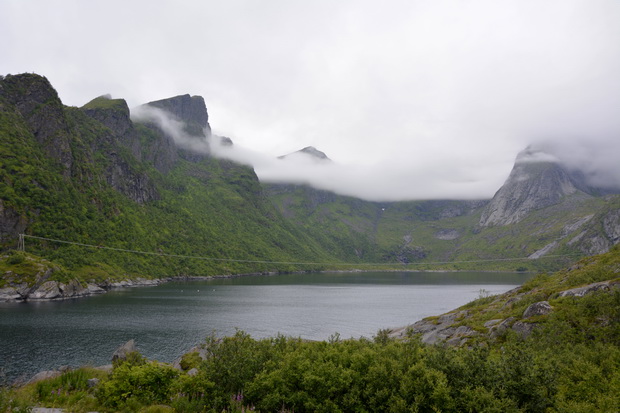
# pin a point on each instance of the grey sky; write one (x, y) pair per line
(411, 99)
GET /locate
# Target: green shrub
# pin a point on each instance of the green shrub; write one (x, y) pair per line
(190, 360)
(16, 258)
(142, 384)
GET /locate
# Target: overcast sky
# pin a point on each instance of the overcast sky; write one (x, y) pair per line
(410, 99)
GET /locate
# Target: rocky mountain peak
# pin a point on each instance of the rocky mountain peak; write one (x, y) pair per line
(311, 151)
(113, 113)
(537, 180)
(191, 110)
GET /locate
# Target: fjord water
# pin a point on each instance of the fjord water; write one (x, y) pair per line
(169, 319)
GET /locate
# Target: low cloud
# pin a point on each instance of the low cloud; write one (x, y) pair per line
(381, 181)
(411, 99)
(171, 127)
(429, 173)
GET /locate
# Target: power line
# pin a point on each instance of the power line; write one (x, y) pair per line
(161, 254)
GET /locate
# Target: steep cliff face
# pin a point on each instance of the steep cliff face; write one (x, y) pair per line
(603, 233)
(39, 105)
(115, 115)
(536, 182)
(177, 127)
(119, 132)
(191, 110)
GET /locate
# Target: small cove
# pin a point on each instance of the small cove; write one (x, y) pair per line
(168, 319)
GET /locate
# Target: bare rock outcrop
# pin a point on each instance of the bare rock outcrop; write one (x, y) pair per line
(536, 181)
(440, 329)
(590, 288)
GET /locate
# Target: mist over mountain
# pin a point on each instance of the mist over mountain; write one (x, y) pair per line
(157, 179)
(541, 178)
(308, 151)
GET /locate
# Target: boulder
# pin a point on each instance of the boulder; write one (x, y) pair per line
(9, 293)
(500, 327)
(523, 329)
(539, 308)
(73, 289)
(46, 291)
(121, 353)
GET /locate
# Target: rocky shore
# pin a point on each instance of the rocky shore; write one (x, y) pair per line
(56, 290)
(456, 328)
(39, 287)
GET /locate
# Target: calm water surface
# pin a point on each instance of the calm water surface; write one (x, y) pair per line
(169, 319)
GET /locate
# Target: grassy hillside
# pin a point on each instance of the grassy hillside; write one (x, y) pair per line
(427, 235)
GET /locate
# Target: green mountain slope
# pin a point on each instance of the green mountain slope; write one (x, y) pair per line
(92, 176)
(448, 234)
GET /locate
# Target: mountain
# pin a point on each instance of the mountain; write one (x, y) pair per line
(146, 180)
(545, 213)
(94, 176)
(537, 181)
(309, 152)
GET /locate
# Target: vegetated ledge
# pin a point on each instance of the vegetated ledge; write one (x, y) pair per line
(522, 310)
(25, 277)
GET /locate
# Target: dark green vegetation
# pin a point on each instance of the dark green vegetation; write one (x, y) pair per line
(92, 175)
(570, 363)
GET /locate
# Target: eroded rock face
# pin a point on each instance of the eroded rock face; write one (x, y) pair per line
(115, 115)
(47, 291)
(518, 197)
(136, 186)
(611, 226)
(595, 242)
(41, 108)
(189, 109)
(535, 182)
